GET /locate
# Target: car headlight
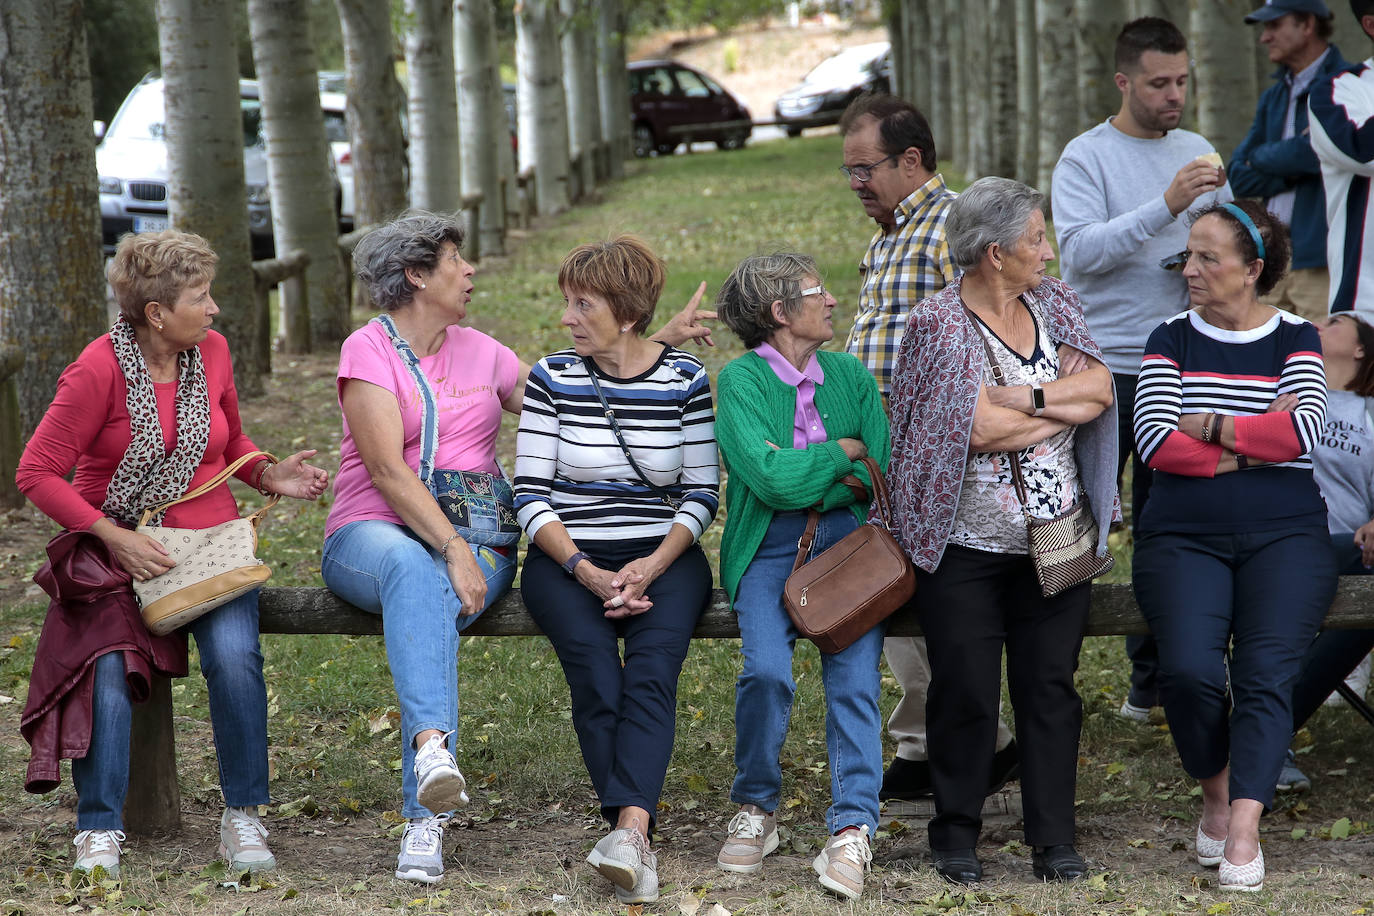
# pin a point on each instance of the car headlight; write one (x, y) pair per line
(110, 185)
(259, 195)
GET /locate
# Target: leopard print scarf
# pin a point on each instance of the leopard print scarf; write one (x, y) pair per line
(147, 475)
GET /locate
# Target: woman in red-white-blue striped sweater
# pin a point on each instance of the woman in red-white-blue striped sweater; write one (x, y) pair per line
(1231, 399)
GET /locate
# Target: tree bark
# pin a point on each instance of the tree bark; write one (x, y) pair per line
(1221, 42)
(1002, 91)
(1027, 94)
(978, 91)
(543, 115)
(52, 295)
(938, 48)
(1097, 24)
(1176, 11)
(1058, 84)
(915, 16)
(579, 87)
(204, 126)
(303, 216)
(957, 143)
(612, 84)
(481, 118)
(374, 111)
(435, 170)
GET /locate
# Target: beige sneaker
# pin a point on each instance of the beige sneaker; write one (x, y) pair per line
(753, 834)
(98, 848)
(843, 861)
(243, 841)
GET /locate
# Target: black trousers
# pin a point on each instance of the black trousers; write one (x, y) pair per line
(1141, 650)
(973, 605)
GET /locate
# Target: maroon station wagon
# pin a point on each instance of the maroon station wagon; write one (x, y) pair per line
(672, 103)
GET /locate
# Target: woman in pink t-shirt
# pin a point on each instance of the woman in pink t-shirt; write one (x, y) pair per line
(422, 530)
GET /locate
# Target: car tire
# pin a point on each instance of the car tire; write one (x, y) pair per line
(643, 140)
(793, 133)
(733, 141)
(666, 149)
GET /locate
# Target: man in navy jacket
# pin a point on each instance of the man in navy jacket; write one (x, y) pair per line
(1275, 160)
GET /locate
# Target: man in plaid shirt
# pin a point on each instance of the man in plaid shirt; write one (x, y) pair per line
(889, 158)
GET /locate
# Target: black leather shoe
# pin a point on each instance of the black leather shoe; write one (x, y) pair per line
(1006, 766)
(1058, 863)
(958, 866)
(906, 780)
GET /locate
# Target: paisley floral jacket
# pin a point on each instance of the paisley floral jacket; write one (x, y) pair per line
(934, 391)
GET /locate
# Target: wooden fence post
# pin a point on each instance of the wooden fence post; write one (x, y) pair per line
(11, 360)
(154, 800)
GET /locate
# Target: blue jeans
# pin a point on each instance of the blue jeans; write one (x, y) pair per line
(764, 691)
(385, 569)
(231, 661)
(1255, 598)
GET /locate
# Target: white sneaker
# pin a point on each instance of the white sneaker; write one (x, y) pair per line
(843, 862)
(1133, 712)
(98, 848)
(422, 850)
(441, 785)
(243, 841)
(1357, 680)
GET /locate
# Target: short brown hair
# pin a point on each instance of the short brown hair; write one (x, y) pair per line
(1363, 382)
(901, 126)
(158, 267)
(623, 270)
(1148, 33)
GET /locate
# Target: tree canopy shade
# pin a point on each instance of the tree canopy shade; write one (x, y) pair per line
(52, 299)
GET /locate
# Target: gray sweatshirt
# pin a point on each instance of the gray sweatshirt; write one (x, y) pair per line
(1113, 228)
(1343, 462)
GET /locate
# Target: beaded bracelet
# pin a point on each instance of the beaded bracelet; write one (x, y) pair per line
(262, 467)
(1207, 427)
(443, 551)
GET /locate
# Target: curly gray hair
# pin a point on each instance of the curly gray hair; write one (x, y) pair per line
(409, 242)
(745, 301)
(992, 211)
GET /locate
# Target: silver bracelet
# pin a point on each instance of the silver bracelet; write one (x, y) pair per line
(443, 551)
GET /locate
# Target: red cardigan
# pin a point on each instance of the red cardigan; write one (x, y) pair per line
(87, 428)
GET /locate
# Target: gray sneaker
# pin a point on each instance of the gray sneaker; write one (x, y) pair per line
(243, 841)
(1292, 779)
(646, 884)
(619, 857)
(98, 848)
(422, 850)
(439, 784)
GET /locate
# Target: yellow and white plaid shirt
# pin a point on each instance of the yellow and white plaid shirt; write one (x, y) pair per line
(900, 268)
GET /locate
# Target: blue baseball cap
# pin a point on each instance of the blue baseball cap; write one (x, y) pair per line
(1273, 9)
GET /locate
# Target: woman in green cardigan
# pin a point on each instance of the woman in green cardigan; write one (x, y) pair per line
(793, 420)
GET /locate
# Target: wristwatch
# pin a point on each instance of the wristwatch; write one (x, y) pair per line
(1037, 400)
(571, 562)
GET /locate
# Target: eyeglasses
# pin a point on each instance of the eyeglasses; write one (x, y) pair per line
(813, 290)
(865, 172)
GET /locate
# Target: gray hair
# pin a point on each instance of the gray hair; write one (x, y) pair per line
(409, 242)
(992, 211)
(745, 301)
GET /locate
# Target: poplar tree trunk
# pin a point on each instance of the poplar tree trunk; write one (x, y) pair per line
(1176, 11)
(579, 87)
(1027, 94)
(978, 91)
(374, 111)
(481, 118)
(1058, 83)
(956, 21)
(204, 132)
(1002, 91)
(938, 49)
(52, 295)
(613, 84)
(915, 16)
(303, 216)
(1225, 90)
(896, 37)
(543, 115)
(1097, 24)
(435, 172)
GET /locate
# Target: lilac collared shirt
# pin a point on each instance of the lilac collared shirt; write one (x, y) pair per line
(807, 428)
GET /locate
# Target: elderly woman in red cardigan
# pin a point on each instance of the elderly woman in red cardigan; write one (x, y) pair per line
(962, 522)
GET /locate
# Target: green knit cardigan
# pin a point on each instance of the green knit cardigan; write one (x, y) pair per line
(756, 408)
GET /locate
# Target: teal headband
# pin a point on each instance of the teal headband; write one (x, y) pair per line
(1249, 225)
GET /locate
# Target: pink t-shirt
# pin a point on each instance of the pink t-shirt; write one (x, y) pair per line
(471, 375)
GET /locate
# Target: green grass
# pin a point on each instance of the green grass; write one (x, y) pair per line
(333, 719)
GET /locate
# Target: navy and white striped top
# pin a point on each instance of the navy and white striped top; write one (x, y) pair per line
(1191, 366)
(570, 468)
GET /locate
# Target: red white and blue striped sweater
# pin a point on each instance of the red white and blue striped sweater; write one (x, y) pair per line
(1193, 367)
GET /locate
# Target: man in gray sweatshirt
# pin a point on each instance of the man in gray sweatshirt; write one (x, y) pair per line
(1120, 195)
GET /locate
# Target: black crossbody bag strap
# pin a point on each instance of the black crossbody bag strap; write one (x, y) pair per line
(662, 494)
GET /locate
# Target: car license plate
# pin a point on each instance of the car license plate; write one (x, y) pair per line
(150, 223)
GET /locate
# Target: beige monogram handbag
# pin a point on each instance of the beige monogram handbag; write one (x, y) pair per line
(214, 565)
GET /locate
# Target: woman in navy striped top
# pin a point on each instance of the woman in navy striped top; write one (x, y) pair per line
(616, 477)
(1230, 402)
